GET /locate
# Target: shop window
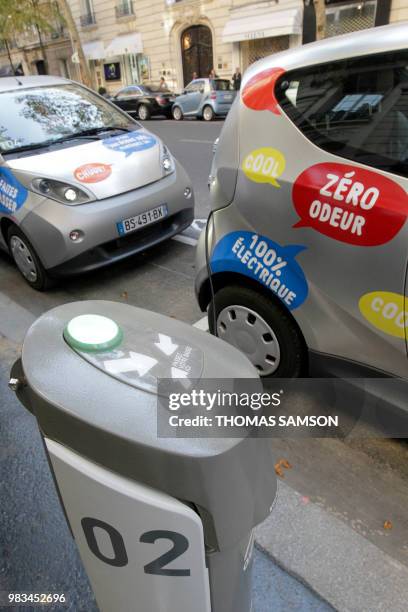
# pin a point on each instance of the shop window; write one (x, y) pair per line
(253, 50)
(349, 17)
(355, 108)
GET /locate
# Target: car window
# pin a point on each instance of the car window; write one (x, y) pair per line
(44, 114)
(191, 86)
(220, 85)
(128, 92)
(356, 108)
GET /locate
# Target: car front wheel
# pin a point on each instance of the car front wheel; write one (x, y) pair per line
(143, 112)
(261, 328)
(208, 113)
(177, 113)
(27, 260)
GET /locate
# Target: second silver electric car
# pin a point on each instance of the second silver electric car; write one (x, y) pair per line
(81, 183)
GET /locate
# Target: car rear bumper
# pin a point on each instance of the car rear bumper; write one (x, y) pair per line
(221, 109)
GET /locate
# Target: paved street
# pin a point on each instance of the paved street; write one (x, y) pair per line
(361, 482)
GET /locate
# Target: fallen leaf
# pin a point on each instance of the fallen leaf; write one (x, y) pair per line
(282, 463)
(278, 470)
(387, 525)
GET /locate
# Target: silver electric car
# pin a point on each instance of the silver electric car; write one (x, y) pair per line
(81, 183)
(204, 99)
(307, 243)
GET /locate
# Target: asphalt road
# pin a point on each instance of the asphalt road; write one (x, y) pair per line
(37, 553)
(191, 143)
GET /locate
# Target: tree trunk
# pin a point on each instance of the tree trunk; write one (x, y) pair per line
(43, 53)
(320, 10)
(34, 4)
(76, 42)
(9, 56)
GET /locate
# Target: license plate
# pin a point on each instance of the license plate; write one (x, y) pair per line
(145, 218)
(227, 96)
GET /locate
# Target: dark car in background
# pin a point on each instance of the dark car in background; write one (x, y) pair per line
(144, 100)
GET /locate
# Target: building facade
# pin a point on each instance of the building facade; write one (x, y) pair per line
(128, 41)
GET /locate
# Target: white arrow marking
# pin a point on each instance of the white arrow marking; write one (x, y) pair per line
(136, 362)
(166, 345)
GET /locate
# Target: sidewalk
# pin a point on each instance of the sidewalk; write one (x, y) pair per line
(344, 568)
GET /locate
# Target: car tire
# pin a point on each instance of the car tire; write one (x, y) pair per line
(261, 328)
(143, 112)
(177, 113)
(27, 260)
(208, 113)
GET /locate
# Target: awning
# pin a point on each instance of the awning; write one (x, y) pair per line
(260, 21)
(122, 45)
(94, 50)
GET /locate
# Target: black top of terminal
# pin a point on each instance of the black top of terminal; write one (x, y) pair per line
(100, 406)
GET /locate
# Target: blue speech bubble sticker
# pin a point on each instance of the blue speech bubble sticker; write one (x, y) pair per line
(12, 193)
(129, 143)
(265, 261)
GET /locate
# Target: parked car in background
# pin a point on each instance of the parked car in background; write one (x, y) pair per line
(82, 184)
(144, 101)
(204, 99)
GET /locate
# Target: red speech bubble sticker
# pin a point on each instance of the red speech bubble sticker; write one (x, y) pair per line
(259, 92)
(350, 204)
(92, 173)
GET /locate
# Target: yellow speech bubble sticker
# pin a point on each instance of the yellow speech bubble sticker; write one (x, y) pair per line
(386, 311)
(264, 165)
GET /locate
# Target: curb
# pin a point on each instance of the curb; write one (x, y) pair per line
(343, 568)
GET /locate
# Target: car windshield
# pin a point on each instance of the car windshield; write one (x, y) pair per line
(220, 85)
(43, 115)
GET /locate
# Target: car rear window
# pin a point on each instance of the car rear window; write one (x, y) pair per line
(44, 114)
(220, 85)
(355, 108)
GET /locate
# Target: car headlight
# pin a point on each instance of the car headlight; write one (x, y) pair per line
(61, 192)
(167, 161)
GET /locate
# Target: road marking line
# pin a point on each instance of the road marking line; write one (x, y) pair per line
(186, 239)
(197, 141)
(202, 324)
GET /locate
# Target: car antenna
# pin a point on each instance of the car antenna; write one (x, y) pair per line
(18, 80)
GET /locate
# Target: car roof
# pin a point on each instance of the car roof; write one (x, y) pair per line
(363, 42)
(13, 82)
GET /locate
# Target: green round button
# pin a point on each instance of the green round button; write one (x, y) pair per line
(92, 332)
